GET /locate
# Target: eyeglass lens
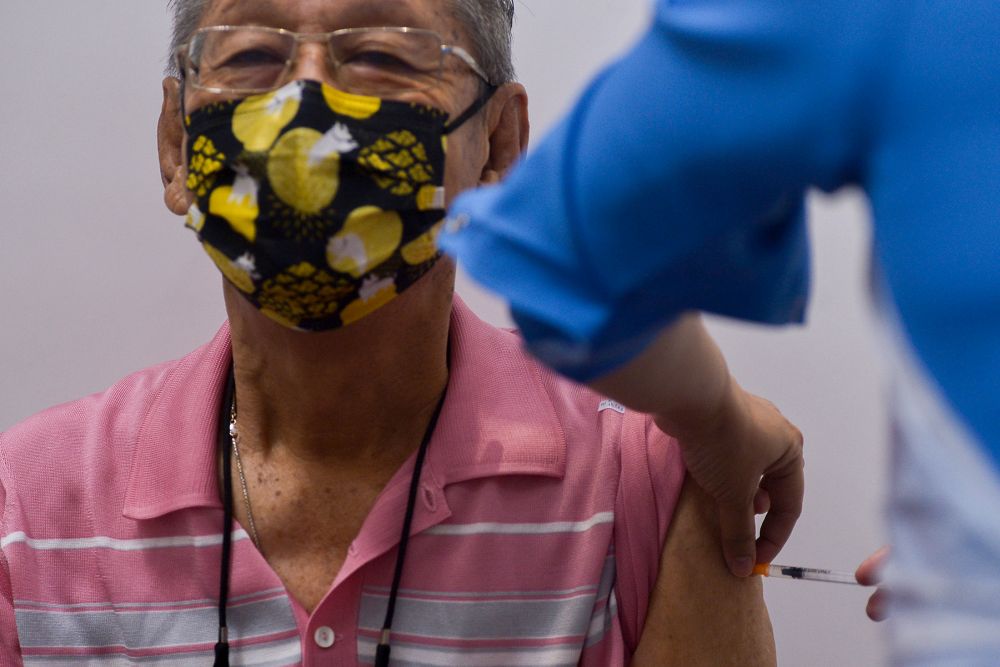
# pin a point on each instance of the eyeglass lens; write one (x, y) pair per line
(373, 61)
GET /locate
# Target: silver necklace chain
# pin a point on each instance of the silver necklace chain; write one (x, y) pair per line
(234, 436)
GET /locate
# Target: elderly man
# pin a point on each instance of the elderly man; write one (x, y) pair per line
(413, 488)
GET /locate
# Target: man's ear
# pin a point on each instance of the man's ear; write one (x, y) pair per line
(170, 144)
(508, 128)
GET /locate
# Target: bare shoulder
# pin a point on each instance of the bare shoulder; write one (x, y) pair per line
(700, 614)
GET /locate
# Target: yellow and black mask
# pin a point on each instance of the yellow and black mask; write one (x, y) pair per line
(318, 205)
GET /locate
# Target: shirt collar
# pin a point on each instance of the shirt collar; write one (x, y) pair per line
(174, 465)
(497, 419)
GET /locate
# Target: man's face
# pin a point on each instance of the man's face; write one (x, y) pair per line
(458, 88)
(480, 151)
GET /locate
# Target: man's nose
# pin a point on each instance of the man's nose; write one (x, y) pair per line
(313, 62)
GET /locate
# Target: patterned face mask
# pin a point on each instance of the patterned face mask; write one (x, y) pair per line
(319, 206)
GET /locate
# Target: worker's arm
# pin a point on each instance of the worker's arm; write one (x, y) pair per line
(737, 446)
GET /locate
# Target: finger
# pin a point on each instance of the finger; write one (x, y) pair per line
(761, 502)
(869, 573)
(738, 532)
(878, 605)
(786, 489)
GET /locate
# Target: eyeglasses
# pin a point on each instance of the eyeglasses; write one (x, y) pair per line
(368, 61)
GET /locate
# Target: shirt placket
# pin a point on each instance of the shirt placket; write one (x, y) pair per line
(331, 634)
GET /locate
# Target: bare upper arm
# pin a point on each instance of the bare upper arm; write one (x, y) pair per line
(699, 613)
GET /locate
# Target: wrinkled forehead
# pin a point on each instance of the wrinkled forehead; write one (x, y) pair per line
(327, 15)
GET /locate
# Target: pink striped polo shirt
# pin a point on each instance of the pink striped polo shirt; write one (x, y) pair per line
(536, 538)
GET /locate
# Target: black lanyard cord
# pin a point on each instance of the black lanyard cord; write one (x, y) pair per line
(382, 650)
(225, 447)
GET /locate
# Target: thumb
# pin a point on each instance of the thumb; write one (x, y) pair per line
(738, 534)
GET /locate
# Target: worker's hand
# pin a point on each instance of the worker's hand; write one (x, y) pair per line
(869, 573)
(748, 457)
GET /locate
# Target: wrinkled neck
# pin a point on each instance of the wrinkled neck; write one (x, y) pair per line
(367, 388)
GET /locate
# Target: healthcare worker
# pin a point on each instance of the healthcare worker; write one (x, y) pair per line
(676, 185)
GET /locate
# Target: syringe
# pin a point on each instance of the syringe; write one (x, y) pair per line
(808, 573)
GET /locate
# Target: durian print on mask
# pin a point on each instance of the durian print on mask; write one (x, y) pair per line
(204, 163)
(258, 120)
(239, 271)
(195, 219)
(316, 195)
(237, 203)
(346, 104)
(369, 237)
(423, 248)
(374, 294)
(302, 292)
(304, 166)
(398, 162)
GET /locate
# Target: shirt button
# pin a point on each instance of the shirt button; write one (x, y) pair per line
(324, 637)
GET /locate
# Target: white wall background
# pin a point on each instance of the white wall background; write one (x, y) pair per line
(97, 279)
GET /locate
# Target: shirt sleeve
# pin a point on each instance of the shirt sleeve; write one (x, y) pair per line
(10, 647)
(9, 644)
(677, 182)
(652, 475)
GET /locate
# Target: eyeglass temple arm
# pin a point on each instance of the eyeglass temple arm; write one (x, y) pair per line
(182, 77)
(467, 58)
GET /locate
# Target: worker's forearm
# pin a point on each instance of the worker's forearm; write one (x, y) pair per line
(681, 378)
(734, 443)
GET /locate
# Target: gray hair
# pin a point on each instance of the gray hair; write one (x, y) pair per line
(488, 23)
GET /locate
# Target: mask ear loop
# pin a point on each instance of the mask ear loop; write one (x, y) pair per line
(473, 109)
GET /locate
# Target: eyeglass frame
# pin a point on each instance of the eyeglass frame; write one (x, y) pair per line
(183, 54)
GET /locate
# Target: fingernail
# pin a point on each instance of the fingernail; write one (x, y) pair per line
(742, 567)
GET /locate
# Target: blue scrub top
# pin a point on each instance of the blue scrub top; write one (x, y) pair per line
(677, 183)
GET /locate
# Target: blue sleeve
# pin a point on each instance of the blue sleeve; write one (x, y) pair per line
(677, 182)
